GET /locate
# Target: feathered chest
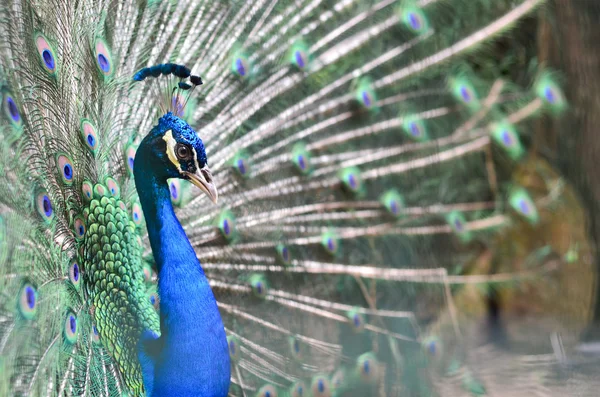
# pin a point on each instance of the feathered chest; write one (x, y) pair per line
(113, 278)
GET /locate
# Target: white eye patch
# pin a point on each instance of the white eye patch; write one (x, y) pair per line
(171, 143)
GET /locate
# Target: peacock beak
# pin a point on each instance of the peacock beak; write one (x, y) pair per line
(203, 179)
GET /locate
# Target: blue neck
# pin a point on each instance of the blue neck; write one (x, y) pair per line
(192, 357)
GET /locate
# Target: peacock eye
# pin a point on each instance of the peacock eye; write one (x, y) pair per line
(74, 274)
(70, 328)
(95, 334)
(183, 152)
(28, 301)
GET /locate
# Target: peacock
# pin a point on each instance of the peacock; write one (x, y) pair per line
(283, 198)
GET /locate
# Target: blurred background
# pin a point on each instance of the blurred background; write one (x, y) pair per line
(568, 158)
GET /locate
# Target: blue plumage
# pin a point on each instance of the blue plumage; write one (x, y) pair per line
(190, 358)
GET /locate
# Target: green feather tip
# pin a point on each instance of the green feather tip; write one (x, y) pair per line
(506, 136)
(457, 222)
(413, 17)
(522, 203)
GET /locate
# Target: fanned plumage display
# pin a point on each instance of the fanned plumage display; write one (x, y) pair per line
(379, 201)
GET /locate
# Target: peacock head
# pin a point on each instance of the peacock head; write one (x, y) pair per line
(173, 150)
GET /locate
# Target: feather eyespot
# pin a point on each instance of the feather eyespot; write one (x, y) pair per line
(352, 182)
(393, 202)
(99, 191)
(154, 299)
(356, 320)
(295, 348)
(130, 157)
(240, 66)
(330, 242)
(351, 178)
(267, 391)
(522, 203)
(178, 189)
(414, 128)
(300, 58)
(284, 254)
(113, 187)
(457, 222)
(297, 390)
(174, 190)
(299, 55)
(74, 273)
(79, 227)
(548, 90)
(71, 328)
(87, 190)
(414, 19)
(241, 164)
(46, 52)
(320, 386)
(338, 379)
(366, 98)
(28, 301)
(432, 346)
(464, 91)
(259, 286)
(367, 367)
(506, 136)
(89, 136)
(226, 224)
(11, 110)
(147, 273)
(136, 214)
(233, 344)
(550, 95)
(103, 58)
(301, 159)
(393, 206)
(95, 335)
(466, 94)
(301, 162)
(524, 207)
(459, 225)
(44, 206)
(365, 93)
(65, 168)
